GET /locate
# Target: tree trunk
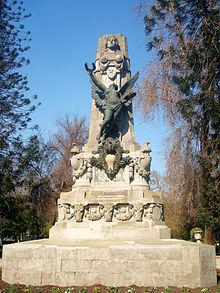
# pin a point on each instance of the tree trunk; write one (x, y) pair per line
(209, 237)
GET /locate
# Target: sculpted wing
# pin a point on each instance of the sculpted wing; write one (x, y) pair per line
(126, 90)
(99, 98)
(128, 99)
(98, 88)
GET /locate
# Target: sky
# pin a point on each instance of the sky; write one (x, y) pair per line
(64, 36)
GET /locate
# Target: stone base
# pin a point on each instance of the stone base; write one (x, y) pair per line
(117, 231)
(117, 215)
(124, 263)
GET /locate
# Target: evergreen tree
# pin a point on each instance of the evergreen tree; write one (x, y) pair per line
(19, 217)
(15, 106)
(185, 35)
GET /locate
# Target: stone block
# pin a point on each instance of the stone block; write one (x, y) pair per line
(48, 278)
(7, 263)
(45, 252)
(170, 267)
(208, 279)
(80, 265)
(31, 264)
(185, 279)
(21, 250)
(9, 276)
(84, 253)
(22, 276)
(29, 277)
(116, 265)
(105, 278)
(207, 259)
(65, 279)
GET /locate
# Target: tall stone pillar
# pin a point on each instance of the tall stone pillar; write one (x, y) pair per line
(112, 65)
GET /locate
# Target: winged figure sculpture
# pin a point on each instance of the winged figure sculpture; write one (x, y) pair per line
(110, 100)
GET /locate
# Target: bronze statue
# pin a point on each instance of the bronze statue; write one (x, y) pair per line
(110, 100)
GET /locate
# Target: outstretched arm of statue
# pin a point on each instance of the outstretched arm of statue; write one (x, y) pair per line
(90, 70)
(94, 79)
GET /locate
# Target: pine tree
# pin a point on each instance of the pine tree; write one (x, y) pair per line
(15, 106)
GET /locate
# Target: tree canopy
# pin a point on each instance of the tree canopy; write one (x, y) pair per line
(15, 106)
(185, 36)
(15, 111)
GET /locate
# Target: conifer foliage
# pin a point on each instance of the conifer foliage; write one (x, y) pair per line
(15, 106)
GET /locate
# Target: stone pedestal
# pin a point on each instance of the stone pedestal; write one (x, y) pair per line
(115, 210)
(111, 263)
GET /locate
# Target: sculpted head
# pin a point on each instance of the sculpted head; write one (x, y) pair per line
(112, 44)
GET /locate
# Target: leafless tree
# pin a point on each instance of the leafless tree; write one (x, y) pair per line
(70, 129)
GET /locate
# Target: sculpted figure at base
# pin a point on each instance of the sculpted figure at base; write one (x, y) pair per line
(110, 101)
